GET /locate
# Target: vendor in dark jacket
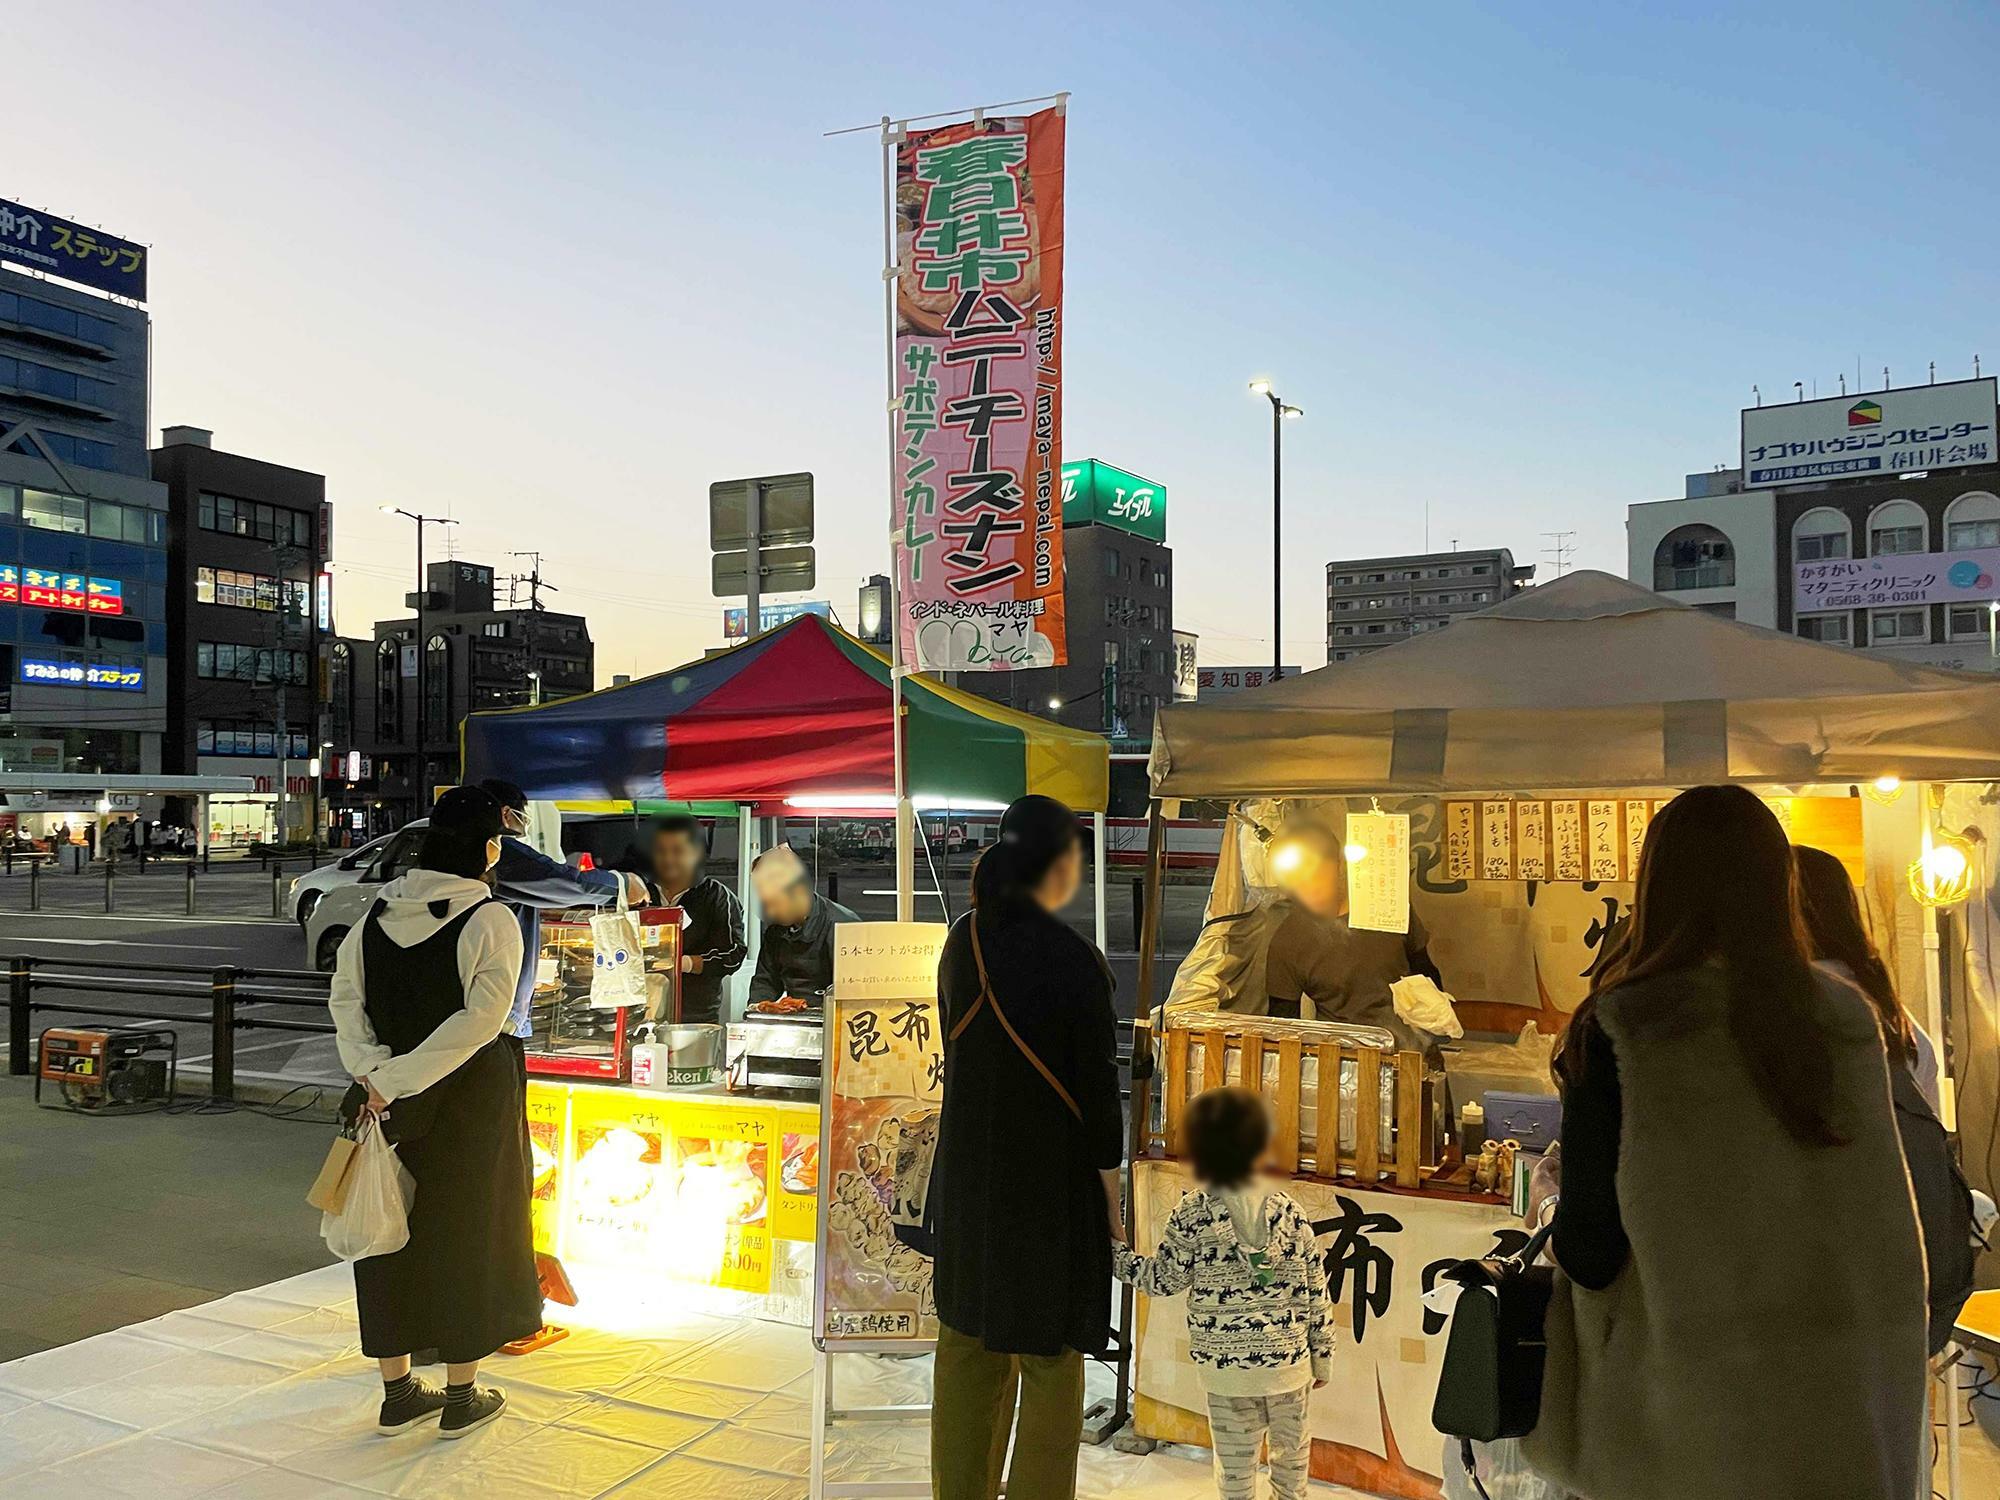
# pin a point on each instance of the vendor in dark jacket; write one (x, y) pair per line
(712, 946)
(529, 882)
(795, 951)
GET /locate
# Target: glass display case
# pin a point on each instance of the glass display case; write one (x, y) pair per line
(573, 1035)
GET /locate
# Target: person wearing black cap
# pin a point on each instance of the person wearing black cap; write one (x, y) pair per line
(1024, 1191)
(420, 1001)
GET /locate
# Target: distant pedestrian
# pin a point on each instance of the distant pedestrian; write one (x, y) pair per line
(420, 1000)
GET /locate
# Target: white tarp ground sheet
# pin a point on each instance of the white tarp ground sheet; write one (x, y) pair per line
(264, 1395)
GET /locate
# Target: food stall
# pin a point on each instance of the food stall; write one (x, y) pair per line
(1491, 788)
(709, 1181)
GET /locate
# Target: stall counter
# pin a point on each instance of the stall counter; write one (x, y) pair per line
(637, 1187)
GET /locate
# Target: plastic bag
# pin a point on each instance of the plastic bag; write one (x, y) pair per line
(376, 1218)
(1502, 1470)
(618, 976)
(1420, 1003)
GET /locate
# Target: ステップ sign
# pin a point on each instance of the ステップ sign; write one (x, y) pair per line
(1908, 578)
(83, 674)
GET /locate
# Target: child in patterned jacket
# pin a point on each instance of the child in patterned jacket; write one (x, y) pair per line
(1259, 1320)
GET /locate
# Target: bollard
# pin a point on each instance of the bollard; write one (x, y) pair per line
(222, 1033)
(110, 897)
(18, 990)
(833, 886)
(35, 886)
(10, 859)
(277, 893)
(190, 888)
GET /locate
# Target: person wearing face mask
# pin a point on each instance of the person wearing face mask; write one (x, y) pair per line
(420, 1000)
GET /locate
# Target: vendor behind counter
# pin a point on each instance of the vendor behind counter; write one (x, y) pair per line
(1318, 967)
(795, 953)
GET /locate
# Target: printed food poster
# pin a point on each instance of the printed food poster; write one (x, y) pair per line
(546, 1106)
(722, 1162)
(618, 1202)
(795, 1198)
(876, 1287)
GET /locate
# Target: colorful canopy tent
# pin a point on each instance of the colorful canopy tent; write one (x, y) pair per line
(801, 711)
(1589, 681)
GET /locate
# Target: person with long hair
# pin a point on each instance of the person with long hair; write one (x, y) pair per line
(1740, 1310)
(1024, 1189)
(421, 999)
(1840, 940)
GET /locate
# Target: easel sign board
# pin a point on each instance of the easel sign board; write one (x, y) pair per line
(883, 1070)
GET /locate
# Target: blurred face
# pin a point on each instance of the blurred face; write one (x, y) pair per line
(514, 820)
(1058, 887)
(676, 859)
(790, 906)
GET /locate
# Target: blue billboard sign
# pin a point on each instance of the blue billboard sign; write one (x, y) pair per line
(89, 257)
(736, 622)
(95, 674)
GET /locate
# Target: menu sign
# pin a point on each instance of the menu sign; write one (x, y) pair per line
(884, 1078)
(1378, 871)
(1529, 838)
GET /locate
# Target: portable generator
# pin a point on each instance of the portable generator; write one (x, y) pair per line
(107, 1068)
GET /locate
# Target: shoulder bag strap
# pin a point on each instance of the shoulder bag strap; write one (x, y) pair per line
(987, 997)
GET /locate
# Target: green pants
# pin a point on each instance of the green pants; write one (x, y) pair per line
(972, 1412)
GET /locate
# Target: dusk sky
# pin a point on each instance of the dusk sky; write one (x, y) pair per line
(551, 270)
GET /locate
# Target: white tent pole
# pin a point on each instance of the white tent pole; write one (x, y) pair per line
(1097, 859)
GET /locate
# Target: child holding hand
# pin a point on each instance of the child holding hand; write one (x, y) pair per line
(1259, 1320)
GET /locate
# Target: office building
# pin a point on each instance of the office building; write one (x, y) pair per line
(475, 656)
(1372, 602)
(247, 553)
(1868, 521)
(1118, 594)
(83, 542)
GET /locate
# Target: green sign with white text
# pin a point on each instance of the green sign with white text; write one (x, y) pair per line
(1095, 491)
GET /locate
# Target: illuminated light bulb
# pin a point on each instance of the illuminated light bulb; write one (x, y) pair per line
(1886, 789)
(1942, 874)
(1355, 853)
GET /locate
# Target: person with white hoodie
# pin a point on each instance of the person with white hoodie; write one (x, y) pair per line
(420, 1002)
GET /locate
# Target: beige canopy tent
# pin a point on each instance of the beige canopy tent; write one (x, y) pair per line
(1587, 681)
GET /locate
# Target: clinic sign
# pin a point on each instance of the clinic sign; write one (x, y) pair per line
(1096, 492)
(1880, 435)
(37, 241)
(1907, 578)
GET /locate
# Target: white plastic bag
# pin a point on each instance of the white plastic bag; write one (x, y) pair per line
(619, 975)
(1502, 1470)
(376, 1219)
(1420, 1003)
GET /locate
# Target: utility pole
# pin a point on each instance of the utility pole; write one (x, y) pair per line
(533, 579)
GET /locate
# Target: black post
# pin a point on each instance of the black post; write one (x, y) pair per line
(110, 899)
(1277, 534)
(222, 1033)
(833, 886)
(19, 988)
(35, 885)
(190, 888)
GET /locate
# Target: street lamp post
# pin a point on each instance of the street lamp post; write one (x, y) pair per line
(1280, 414)
(423, 796)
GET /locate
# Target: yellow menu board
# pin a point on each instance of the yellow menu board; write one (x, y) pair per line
(795, 1175)
(548, 1118)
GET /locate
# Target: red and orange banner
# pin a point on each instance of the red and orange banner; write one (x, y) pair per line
(978, 503)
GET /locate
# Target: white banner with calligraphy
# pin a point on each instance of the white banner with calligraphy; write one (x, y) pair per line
(1371, 1425)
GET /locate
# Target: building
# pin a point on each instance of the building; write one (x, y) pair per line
(1900, 557)
(1118, 596)
(83, 540)
(1372, 602)
(474, 656)
(247, 555)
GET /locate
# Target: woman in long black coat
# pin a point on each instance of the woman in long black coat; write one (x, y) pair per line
(420, 1002)
(1025, 1184)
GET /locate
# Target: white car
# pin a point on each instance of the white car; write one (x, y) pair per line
(339, 907)
(350, 867)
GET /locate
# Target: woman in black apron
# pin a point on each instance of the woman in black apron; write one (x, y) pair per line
(420, 999)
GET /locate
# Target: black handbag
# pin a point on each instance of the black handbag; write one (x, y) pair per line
(1490, 1385)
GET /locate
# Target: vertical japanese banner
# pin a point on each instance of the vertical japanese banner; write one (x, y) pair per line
(884, 1081)
(977, 513)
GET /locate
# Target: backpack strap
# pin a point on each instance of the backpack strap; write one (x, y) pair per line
(988, 998)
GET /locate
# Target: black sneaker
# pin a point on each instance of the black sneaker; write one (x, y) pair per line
(462, 1417)
(419, 1403)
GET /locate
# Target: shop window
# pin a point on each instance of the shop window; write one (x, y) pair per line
(1970, 621)
(1897, 527)
(1833, 630)
(1902, 625)
(1694, 557)
(54, 512)
(1821, 535)
(1972, 520)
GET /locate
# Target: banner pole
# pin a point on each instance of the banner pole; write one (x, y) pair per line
(906, 867)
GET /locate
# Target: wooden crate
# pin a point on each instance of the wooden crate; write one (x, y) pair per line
(1343, 1141)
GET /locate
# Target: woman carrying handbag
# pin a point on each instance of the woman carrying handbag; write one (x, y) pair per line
(1024, 1188)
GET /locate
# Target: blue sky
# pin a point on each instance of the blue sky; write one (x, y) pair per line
(553, 269)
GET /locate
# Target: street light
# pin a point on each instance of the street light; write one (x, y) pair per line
(1281, 413)
(423, 796)
(534, 687)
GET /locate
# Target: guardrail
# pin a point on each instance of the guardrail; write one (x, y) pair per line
(226, 988)
(110, 875)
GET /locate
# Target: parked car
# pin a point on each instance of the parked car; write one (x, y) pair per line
(339, 907)
(350, 867)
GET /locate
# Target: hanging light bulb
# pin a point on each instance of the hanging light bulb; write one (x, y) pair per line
(1886, 789)
(1942, 874)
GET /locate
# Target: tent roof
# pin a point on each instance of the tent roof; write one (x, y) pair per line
(1586, 682)
(802, 710)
